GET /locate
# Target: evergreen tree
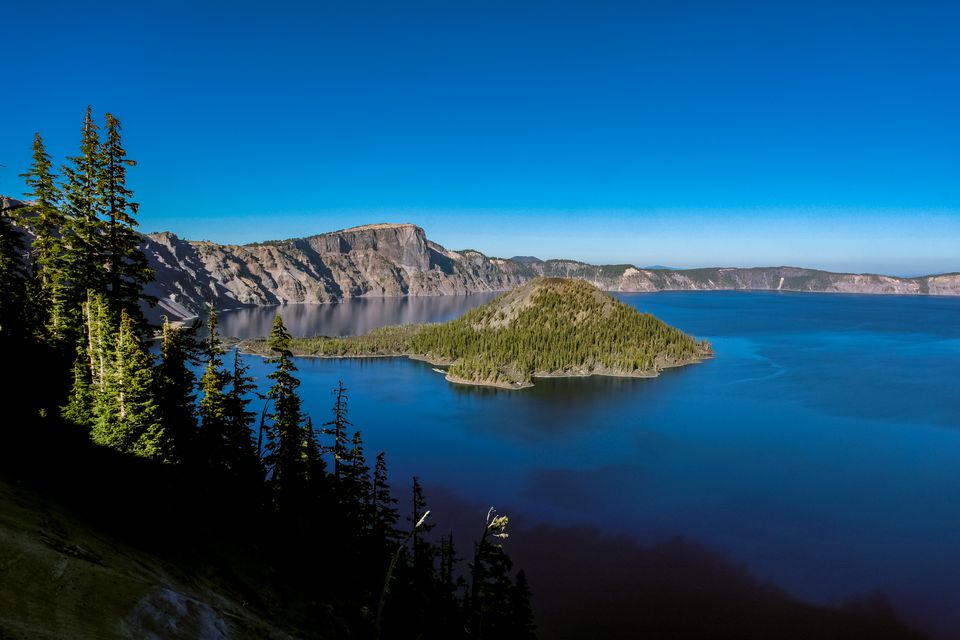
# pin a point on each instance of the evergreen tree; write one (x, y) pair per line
(316, 467)
(99, 332)
(416, 611)
(423, 552)
(79, 407)
(127, 418)
(354, 489)
(46, 221)
(17, 336)
(383, 512)
(83, 247)
(284, 450)
(176, 384)
(213, 399)
(448, 561)
(422, 578)
(135, 374)
(240, 451)
(127, 268)
(397, 560)
(490, 586)
(492, 594)
(337, 428)
(242, 386)
(448, 610)
(521, 623)
(13, 282)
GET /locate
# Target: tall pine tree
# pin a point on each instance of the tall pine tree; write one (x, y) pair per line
(383, 509)
(284, 450)
(448, 611)
(46, 220)
(354, 489)
(176, 385)
(490, 586)
(316, 467)
(337, 428)
(127, 267)
(213, 397)
(83, 246)
(521, 623)
(423, 552)
(241, 456)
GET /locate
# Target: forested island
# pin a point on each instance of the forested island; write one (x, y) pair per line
(546, 327)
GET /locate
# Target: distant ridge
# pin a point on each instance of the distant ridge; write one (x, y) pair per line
(376, 226)
(397, 259)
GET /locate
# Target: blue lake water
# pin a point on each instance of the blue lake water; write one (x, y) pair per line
(820, 448)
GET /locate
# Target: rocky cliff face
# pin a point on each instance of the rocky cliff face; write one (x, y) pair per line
(9, 204)
(386, 260)
(382, 260)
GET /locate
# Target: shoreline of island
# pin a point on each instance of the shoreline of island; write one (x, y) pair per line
(548, 328)
(510, 386)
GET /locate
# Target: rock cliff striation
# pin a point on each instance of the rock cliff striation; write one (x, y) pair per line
(388, 260)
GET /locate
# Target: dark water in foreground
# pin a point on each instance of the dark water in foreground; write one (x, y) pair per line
(820, 449)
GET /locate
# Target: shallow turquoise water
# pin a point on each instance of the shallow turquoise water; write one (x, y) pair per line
(820, 448)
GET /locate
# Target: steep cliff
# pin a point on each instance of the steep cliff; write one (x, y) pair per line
(387, 260)
(382, 260)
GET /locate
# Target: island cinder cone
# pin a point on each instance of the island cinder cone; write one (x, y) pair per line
(546, 327)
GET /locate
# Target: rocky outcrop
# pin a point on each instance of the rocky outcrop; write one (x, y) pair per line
(387, 260)
(9, 204)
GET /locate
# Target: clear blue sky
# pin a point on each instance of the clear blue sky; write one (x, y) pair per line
(682, 133)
